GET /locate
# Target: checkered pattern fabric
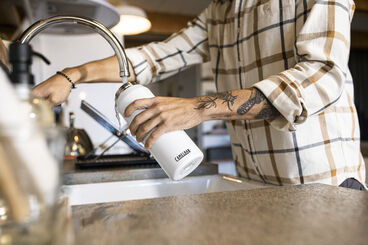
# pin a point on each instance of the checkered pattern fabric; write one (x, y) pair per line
(294, 51)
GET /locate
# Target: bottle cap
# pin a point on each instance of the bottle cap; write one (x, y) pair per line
(124, 87)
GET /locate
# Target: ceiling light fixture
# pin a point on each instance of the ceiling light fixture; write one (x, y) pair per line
(133, 20)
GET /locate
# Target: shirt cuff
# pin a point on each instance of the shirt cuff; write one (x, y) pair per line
(284, 98)
(140, 65)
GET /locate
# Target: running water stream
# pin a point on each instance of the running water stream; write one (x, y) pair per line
(125, 80)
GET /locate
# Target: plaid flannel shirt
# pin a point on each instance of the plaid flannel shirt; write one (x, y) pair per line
(294, 51)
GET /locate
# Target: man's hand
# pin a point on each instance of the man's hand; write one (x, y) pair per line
(56, 89)
(163, 114)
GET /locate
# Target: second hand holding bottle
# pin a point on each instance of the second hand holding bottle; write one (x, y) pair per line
(175, 151)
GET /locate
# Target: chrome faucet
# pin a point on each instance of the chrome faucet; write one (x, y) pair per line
(41, 25)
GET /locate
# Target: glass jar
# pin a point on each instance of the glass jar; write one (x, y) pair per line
(26, 214)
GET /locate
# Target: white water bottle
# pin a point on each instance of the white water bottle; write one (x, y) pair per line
(176, 153)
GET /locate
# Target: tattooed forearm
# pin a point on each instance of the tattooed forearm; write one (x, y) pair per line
(227, 98)
(256, 98)
(256, 105)
(210, 101)
(220, 117)
(267, 112)
(206, 103)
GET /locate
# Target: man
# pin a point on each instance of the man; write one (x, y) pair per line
(285, 90)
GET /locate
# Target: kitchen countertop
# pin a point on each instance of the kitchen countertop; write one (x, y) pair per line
(306, 214)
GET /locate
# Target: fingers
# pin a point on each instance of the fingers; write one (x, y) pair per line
(56, 90)
(145, 128)
(162, 115)
(140, 119)
(149, 119)
(138, 104)
(53, 96)
(54, 99)
(39, 92)
(160, 130)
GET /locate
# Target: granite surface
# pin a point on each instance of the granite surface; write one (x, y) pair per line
(307, 214)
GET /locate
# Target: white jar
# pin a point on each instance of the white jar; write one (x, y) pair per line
(176, 153)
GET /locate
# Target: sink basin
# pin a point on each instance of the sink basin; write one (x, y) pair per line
(153, 188)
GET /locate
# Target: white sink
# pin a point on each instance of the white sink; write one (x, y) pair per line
(142, 189)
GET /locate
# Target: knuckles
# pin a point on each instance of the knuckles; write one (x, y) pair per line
(158, 107)
(144, 128)
(132, 105)
(36, 93)
(163, 116)
(53, 100)
(139, 138)
(137, 119)
(133, 127)
(136, 104)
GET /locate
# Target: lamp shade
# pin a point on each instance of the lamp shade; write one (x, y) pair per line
(133, 20)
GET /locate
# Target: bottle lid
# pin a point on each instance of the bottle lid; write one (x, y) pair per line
(124, 87)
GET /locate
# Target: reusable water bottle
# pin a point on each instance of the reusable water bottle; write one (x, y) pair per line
(176, 153)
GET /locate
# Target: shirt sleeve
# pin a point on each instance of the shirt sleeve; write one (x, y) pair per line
(317, 80)
(159, 60)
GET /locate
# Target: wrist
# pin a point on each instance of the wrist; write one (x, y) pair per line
(74, 74)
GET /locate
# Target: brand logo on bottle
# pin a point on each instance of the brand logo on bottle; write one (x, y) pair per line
(181, 155)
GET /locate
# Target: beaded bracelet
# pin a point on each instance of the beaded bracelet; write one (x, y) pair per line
(67, 78)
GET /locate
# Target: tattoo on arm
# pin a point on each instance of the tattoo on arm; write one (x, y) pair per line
(227, 98)
(210, 101)
(206, 103)
(267, 112)
(220, 117)
(256, 98)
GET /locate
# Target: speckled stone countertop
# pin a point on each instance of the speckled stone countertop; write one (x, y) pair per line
(307, 214)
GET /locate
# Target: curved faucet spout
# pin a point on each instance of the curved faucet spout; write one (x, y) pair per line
(41, 25)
